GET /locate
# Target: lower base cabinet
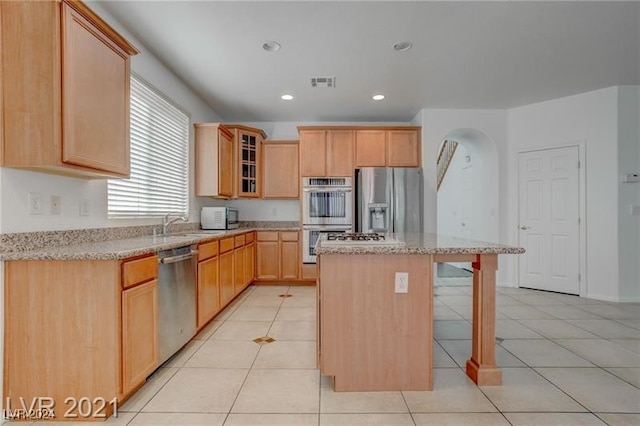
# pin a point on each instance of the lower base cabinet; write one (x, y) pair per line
(226, 277)
(277, 256)
(208, 290)
(139, 334)
(79, 329)
(250, 263)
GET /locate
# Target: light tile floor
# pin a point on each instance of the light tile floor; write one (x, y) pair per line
(565, 361)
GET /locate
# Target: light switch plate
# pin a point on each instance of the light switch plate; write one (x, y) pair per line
(55, 204)
(402, 282)
(84, 207)
(35, 203)
(635, 210)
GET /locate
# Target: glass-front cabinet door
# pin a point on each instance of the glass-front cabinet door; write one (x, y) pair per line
(248, 179)
(247, 146)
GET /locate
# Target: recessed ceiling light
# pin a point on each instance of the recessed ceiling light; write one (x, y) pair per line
(402, 46)
(378, 97)
(271, 46)
(287, 97)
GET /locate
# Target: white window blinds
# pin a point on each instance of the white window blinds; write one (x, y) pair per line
(159, 159)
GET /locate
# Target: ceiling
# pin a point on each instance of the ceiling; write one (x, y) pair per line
(477, 55)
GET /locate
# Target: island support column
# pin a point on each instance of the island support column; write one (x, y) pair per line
(481, 367)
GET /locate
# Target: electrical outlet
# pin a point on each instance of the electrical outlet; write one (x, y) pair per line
(402, 282)
(84, 207)
(55, 204)
(35, 203)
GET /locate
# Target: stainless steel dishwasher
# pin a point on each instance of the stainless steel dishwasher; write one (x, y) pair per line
(176, 299)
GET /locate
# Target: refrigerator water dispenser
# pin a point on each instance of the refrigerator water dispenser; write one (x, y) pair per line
(378, 217)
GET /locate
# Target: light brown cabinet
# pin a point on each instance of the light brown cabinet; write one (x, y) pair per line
(246, 160)
(388, 147)
(226, 271)
(267, 255)
(214, 171)
(250, 260)
(277, 255)
(289, 256)
(64, 90)
(208, 294)
(403, 148)
(103, 314)
(239, 264)
(280, 173)
(139, 334)
(371, 148)
(326, 152)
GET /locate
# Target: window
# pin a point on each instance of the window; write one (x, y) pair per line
(159, 158)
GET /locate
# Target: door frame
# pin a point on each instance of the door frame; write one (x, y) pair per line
(582, 208)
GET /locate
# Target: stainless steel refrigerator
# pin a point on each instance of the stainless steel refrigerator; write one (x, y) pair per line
(389, 199)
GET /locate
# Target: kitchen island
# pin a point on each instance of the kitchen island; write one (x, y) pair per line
(373, 336)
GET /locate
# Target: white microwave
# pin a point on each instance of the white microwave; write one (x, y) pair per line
(219, 218)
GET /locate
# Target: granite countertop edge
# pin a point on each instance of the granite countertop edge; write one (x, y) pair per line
(419, 243)
(127, 248)
(418, 250)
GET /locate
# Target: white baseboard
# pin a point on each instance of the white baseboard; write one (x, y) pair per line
(605, 298)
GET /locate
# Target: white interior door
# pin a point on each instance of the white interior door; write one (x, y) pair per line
(549, 219)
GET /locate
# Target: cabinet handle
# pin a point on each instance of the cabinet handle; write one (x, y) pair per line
(525, 227)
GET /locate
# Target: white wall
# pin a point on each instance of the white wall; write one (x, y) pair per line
(16, 184)
(449, 201)
(628, 193)
(589, 117)
(437, 124)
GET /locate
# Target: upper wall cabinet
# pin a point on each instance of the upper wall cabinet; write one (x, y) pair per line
(388, 147)
(246, 154)
(214, 160)
(280, 177)
(64, 90)
(326, 152)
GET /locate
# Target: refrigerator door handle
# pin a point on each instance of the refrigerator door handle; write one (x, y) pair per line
(391, 214)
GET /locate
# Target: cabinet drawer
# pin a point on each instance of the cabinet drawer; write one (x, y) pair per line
(207, 250)
(239, 240)
(289, 236)
(226, 245)
(139, 270)
(267, 236)
(250, 237)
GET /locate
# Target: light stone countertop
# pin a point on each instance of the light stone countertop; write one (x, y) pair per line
(418, 244)
(129, 247)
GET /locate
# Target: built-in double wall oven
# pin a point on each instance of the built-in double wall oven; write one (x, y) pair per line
(327, 206)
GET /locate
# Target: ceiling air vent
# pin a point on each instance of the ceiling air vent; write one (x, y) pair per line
(323, 82)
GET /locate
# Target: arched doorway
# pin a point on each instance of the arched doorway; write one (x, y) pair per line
(467, 197)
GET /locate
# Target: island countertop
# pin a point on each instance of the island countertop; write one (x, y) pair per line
(413, 243)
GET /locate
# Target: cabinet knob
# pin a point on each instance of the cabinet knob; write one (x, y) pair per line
(524, 227)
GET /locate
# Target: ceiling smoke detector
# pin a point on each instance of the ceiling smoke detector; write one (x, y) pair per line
(271, 46)
(329, 82)
(402, 46)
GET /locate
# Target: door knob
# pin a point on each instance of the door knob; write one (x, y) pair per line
(524, 227)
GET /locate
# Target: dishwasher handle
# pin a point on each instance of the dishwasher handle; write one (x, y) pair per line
(179, 258)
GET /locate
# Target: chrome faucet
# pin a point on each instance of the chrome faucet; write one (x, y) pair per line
(166, 222)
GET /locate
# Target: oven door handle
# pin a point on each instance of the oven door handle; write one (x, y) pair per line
(326, 228)
(326, 190)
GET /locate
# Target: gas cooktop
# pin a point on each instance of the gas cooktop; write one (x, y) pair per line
(360, 239)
